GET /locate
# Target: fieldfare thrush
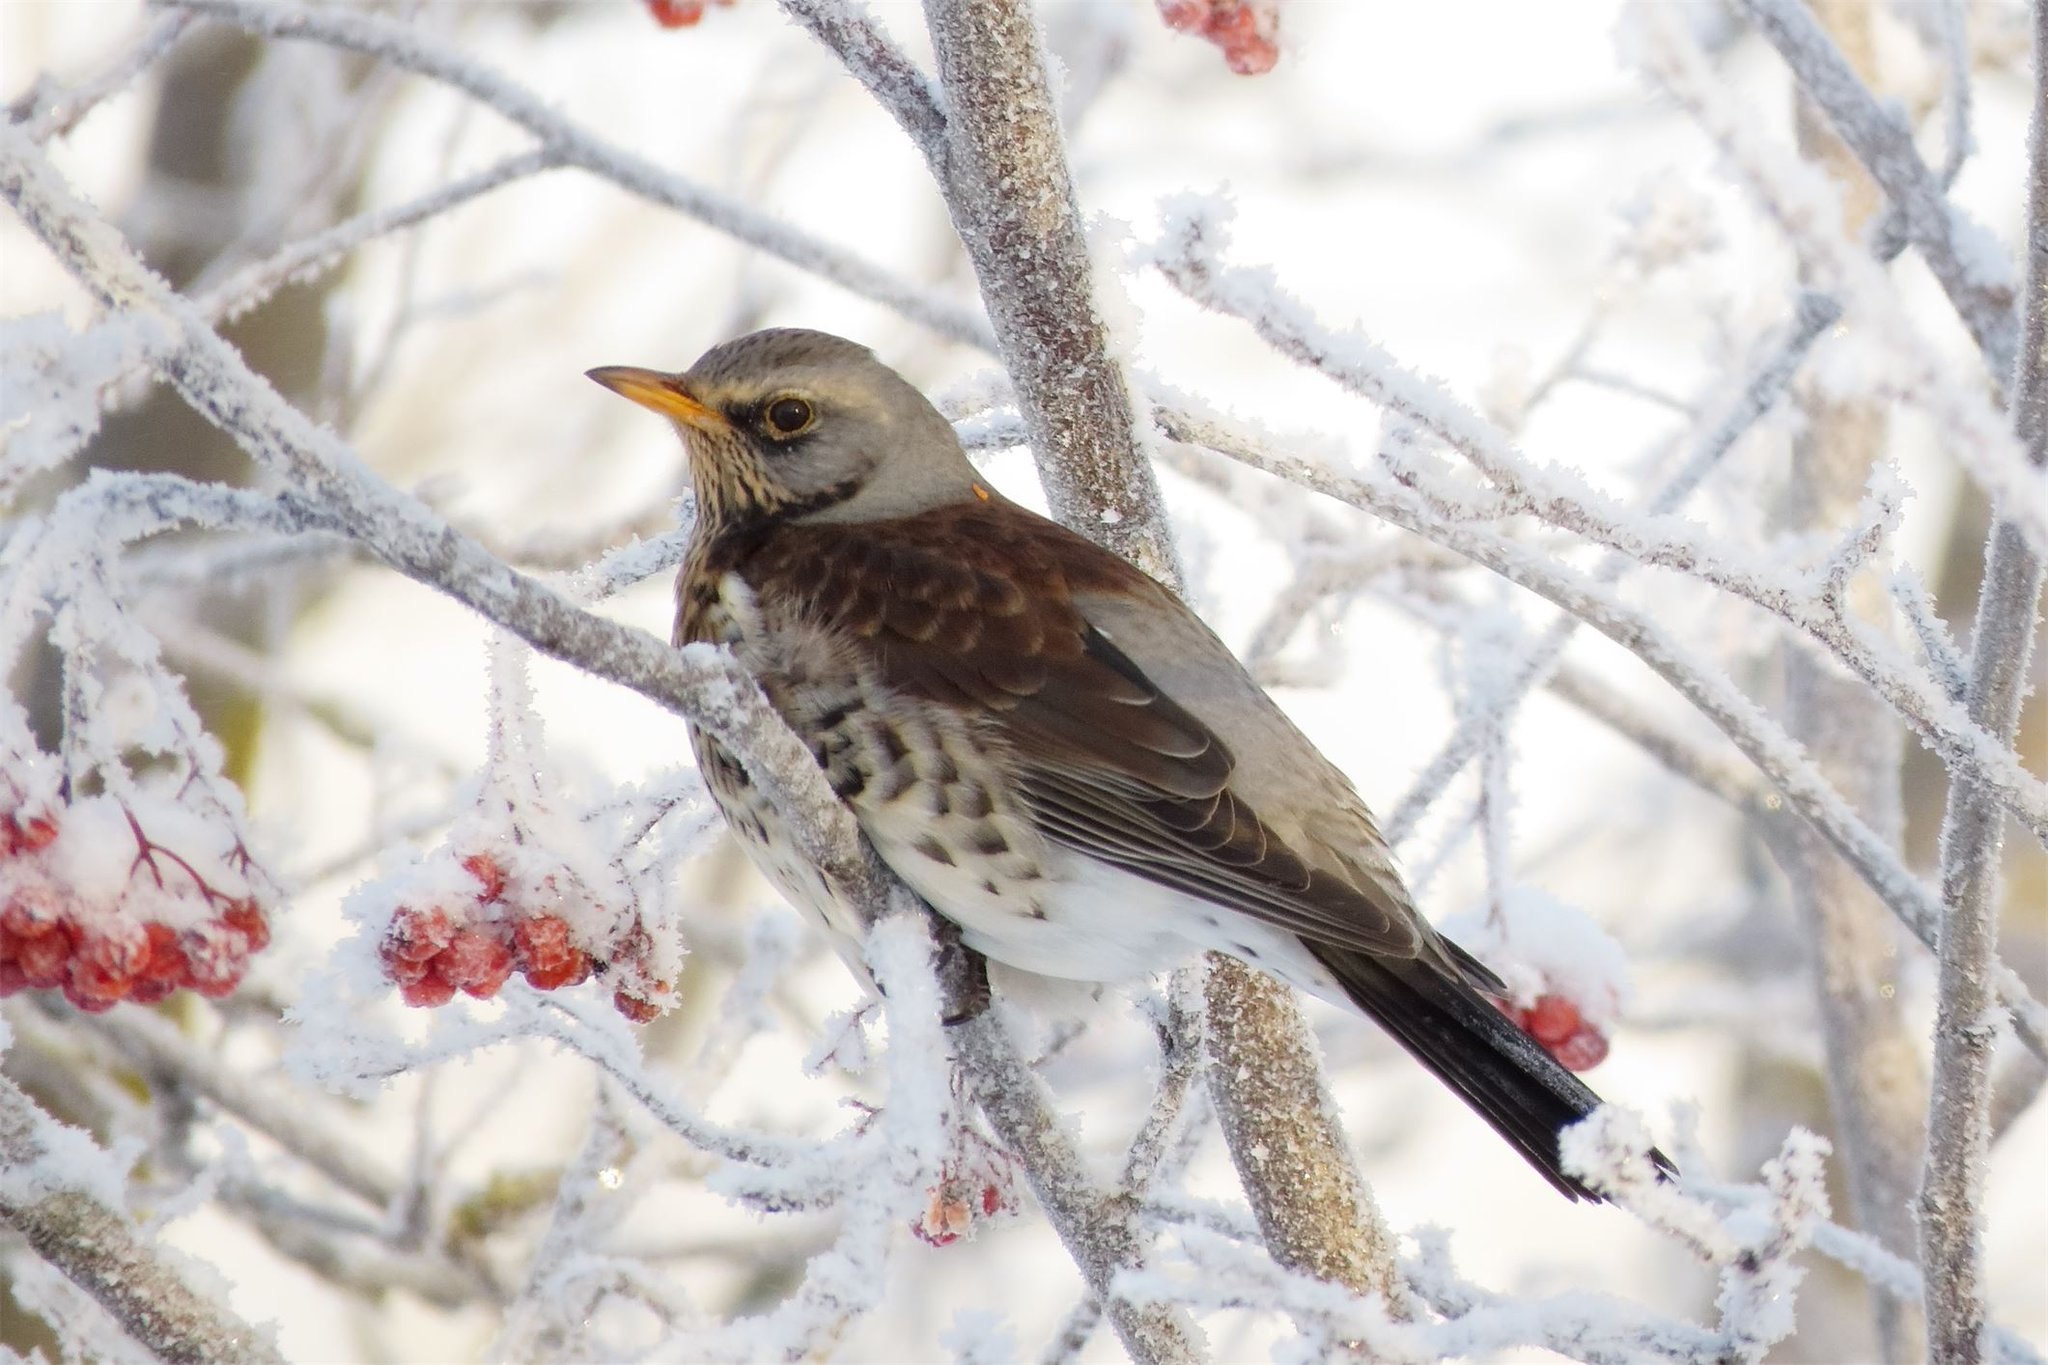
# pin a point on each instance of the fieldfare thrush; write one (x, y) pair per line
(1040, 739)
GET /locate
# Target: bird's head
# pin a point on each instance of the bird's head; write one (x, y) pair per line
(793, 423)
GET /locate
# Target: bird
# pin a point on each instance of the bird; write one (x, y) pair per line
(1042, 741)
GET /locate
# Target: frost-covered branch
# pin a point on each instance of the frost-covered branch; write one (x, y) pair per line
(1811, 601)
(1972, 270)
(1760, 738)
(1013, 204)
(403, 46)
(328, 489)
(1803, 206)
(49, 110)
(1959, 1116)
(47, 1194)
(887, 72)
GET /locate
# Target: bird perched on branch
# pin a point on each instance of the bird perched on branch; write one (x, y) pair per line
(1041, 740)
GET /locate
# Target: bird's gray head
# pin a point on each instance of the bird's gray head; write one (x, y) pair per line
(792, 423)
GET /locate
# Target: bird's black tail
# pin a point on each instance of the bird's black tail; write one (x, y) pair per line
(1448, 1026)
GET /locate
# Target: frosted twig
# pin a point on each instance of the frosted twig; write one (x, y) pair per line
(1965, 1030)
(1944, 660)
(48, 110)
(71, 1227)
(295, 1121)
(1951, 20)
(302, 259)
(1761, 740)
(1099, 1232)
(1976, 280)
(328, 489)
(883, 68)
(1188, 259)
(1804, 208)
(405, 47)
(1754, 397)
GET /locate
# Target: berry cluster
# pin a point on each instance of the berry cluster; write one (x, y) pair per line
(148, 943)
(977, 1183)
(1555, 1021)
(473, 943)
(680, 13)
(1244, 29)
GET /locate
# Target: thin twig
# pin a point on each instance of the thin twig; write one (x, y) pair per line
(405, 47)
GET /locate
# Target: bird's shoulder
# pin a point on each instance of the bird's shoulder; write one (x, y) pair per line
(980, 577)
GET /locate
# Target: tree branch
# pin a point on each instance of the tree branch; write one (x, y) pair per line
(328, 488)
(1013, 202)
(1959, 1117)
(403, 46)
(1974, 279)
(96, 1246)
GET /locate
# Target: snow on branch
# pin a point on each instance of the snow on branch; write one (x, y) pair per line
(404, 47)
(55, 1192)
(1761, 739)
(1959, 1118)
(1807, 595)
(328, 489)
(1803, 205)
(1972, 269)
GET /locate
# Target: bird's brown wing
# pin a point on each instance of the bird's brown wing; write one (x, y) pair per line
(982, 607)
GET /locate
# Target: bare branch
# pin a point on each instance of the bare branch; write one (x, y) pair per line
(404, 47)
(1959, 1117)
(1766, 745)
(97, 1248)
(1013, 204)
(1954, 248)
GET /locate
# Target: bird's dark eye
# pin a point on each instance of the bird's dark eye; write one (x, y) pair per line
(788, 416)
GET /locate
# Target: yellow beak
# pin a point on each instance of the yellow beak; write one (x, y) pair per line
(663, 393)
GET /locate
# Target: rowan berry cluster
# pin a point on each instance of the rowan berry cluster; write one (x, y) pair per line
(1555, 1021)
(1244, 29)
(473, 940)
(180, 919)
(976, 1183)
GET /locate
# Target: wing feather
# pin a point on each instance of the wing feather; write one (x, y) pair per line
(976, 607)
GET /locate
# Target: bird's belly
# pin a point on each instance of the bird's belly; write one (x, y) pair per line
(1085, 920)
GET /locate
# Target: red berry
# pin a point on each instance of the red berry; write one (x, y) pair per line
(33, 834)
(45, 958)
(1583, 1051)
(164, 969)
(476, 961)
(546, 955)
(246, 918)
(489, 876)
(1552, 1019)
(991, 1200)
(430, 990)
(117, 949)
(1188, 16)
(635, 1008)
(103, 964)
(416, 935)
(215, 956)
(33, 907)
(676, 13)
(149, 990)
